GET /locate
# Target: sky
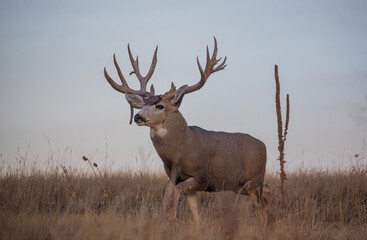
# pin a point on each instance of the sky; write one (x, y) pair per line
(56, 106)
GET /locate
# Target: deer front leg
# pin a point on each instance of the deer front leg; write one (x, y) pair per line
(189, 186)
(167, 196)
(171, 172)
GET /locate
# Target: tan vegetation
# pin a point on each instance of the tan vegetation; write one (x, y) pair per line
(40, 205)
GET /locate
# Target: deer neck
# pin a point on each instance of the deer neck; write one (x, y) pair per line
(169, 137)
(171, 131)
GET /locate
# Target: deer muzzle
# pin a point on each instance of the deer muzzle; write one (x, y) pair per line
(139, 119)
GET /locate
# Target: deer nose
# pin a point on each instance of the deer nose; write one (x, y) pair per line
(138, 118)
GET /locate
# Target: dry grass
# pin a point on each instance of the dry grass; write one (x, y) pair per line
(38, 205)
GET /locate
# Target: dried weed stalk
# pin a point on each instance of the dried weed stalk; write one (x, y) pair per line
(90, 164)
(102, 181)
(71, 194)
(282, 136)
(68, 178)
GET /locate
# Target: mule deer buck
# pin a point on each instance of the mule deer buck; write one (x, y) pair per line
(194, 159)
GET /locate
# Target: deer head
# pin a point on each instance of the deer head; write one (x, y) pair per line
(156, 108)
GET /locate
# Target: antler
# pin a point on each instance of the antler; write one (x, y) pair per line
(135, 64)
(124, 87)
(209, 68)
(170, 94)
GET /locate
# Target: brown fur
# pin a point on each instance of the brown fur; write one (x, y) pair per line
(199, 160)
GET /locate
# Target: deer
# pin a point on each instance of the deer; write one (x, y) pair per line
(194, 159)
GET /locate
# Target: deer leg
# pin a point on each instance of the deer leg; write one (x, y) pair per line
(168, 191)
(255, 192)
(193, 204)
(171, 172)
(189, 185)
(265, 202)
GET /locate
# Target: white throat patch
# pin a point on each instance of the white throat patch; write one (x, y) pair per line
(160, 132)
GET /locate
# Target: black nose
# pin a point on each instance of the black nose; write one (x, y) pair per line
(138, 118)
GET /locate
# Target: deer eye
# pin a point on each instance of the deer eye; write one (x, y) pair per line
(159, 107)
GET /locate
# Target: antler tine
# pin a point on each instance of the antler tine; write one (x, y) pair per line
(123, 81)
(113, 83)
(170, 94)
(215, 50)
(122, 88)
(152, 66)
(152, 89)
(199, 66)
(221, 66)
(208, 59)
(209, 67)
(135, 64)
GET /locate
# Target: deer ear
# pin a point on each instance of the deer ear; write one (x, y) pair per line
(135, 100)
(179, 94)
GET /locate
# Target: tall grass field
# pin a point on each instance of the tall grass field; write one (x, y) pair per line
(68, 204)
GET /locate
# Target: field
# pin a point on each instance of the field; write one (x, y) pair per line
(68, 204)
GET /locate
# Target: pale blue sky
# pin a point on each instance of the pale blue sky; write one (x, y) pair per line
(52, 55)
